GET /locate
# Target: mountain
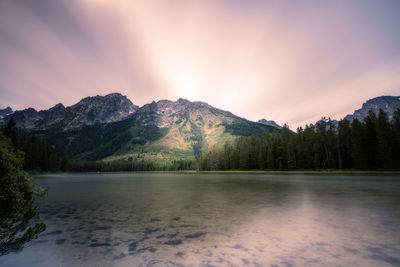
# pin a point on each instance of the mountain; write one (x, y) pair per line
(5, 112)
(88, 111)
(111, 128)
(389, 104)
(270, 123)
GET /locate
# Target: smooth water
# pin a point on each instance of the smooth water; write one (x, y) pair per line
(173, 219)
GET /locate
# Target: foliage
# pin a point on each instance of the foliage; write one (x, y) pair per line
(197, 138)
(19, 219)
(130, 164)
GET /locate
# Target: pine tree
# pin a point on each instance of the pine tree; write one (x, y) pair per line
(282, 154)
(226, 155)
(271, 155)
(291, 162)
(396, 139)
(244, 154)
(358, 148)
(344, 140)
(383, 130)
(262, 157)
(371, 141)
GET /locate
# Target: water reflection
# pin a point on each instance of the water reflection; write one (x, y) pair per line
(153, 219)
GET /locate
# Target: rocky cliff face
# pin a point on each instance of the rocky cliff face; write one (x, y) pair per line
(101, 109)
(388, 104)
(193, 126)
(270, 123)
(5, 112)
(168, 112)
(88, 111)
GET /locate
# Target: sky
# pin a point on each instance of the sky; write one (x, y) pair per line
(289, 61)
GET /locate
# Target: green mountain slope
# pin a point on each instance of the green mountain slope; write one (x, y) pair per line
(162, 131)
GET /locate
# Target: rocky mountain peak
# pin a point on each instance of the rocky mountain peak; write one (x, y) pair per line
(58, 106)
(5, 112)
(167, 112)
(101, 109)
(389, 104)
(112, 101)
(56, 109)
(88, 111)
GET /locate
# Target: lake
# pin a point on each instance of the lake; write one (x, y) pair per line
(191, 219)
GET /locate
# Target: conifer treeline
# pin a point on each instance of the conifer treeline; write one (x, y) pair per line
(372, 144)
(130, 165)
(38, 155)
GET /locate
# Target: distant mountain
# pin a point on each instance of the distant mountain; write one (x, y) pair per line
(111, 127)
(270, 123)
(88, 111)
(5, 112)
(389, 104)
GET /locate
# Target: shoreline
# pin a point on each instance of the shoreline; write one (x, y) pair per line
(308, 172)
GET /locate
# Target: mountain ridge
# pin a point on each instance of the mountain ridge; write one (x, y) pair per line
(88, 111)
(111, 127)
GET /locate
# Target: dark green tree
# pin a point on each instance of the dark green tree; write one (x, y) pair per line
(228, 154)
(357, 148)
(19, 219)
(396, 139)
(282, 148)
(384, 136)
(291, 160)
(371, 141)
(244, 153)
(271, 154)
(309, 149)
(262, 156)
(344, 139)
(253, 144)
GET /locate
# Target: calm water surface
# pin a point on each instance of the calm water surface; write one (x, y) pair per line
(169, 219)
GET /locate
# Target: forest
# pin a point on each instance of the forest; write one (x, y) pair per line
(373, 144)
(38, 155)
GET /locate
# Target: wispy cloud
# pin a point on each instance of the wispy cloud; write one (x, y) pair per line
(281, 60)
